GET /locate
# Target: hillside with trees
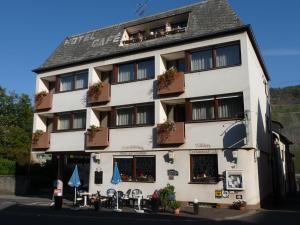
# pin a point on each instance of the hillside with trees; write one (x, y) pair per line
(286, 109)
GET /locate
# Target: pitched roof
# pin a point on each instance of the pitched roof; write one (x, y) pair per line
(205, 18)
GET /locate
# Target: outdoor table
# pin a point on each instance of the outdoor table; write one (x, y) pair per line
(85, 196)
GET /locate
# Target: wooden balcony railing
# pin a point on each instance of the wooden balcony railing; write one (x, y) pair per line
(170, 133)
(98, 138)
(44, 102)
(40, 141)
(102, 97)
(171, 86)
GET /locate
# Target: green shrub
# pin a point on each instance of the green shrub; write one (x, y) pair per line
(7, 167)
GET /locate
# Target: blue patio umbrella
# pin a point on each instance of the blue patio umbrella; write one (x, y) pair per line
(116, 179)
(75, 181)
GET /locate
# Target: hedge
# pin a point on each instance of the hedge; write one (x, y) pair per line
(7, 167)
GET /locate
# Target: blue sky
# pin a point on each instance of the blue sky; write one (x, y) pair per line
(32, 29)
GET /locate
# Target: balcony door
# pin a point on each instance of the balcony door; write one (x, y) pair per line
(176, 113)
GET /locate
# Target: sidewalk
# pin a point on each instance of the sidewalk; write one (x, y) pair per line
(42, 205)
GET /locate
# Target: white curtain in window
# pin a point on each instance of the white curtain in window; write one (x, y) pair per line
(79, 121)
(230, 107)
(201, 60)
(203, 110)
(81, 81)
(66, 83)
(63, 122)
(145, 69)
(227, 56)
(144, 115)
(126, 73)
(124, 116)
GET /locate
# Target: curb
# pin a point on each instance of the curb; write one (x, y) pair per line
(250, 213)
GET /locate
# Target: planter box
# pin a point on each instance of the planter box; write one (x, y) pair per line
(45, 103)
(174, 137)
(175, 86)
(103, 97)
(99, 139)
(42, 143)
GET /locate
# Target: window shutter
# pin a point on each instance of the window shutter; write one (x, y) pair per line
(113, 115)
(188, 61)
(57, 84)
(115, 74)
(55, 121)
(188, 111)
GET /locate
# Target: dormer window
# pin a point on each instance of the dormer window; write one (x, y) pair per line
(156, 29)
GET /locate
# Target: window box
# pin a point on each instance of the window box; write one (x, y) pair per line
(98, 138)
(170, 133)
(102, 96)
(171, 85)
(43, 101)
(40, 141)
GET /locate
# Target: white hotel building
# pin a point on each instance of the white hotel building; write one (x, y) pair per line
(217, 148)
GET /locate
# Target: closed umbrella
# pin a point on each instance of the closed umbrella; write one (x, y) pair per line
(115, 180)
(75, 181)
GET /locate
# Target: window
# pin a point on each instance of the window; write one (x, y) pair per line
(71, 121)
(219, 107)
(202, 60)
(126, 73)
(66, 83)
(125, 116)
(215, 57)
(230, 107)
(228, 56)
(144, 115)
(145, 70)
(136, 168)
(203, 110)
(204, 168)
(73, 81)
(136, 71)
(135, 115)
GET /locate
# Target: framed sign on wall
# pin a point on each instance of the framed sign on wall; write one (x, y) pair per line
(235, 180)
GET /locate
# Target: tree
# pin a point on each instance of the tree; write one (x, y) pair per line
(16, 115)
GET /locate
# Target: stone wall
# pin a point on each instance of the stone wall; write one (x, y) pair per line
(10, 184)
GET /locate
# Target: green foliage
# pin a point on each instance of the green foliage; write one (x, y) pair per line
(16, 114)
(175, 204)
(166, 196)
(7, 167)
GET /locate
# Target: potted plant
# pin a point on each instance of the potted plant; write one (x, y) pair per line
(239, 205)
(93, 130)
(36, 136)
(95, 90)
(166, 78)
(175, 205)
(166, 195)
(39, 97)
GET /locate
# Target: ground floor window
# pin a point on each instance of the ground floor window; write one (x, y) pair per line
(204, 168)
(136, 168)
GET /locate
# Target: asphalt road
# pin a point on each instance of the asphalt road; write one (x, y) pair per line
(12, 213)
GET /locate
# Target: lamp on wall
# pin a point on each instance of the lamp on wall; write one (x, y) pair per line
(97, 158)
(171, 156)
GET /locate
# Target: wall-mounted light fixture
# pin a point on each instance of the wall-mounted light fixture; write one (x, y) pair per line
(171, 156)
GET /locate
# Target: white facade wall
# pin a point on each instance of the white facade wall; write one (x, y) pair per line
(211, 137)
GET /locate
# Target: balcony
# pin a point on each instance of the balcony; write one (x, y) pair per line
(98, 138)
(40, 141)
(98, 93)
(170, 133)
(170, 83)
(43, 101)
